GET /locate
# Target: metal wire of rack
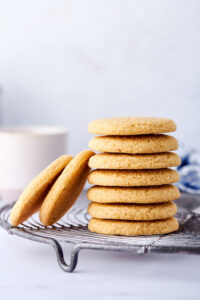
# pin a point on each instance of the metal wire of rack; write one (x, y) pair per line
(72, 228)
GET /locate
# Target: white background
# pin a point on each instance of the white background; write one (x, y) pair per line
(66, 62)
(69, 62)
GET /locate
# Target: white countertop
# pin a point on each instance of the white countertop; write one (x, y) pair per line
(29, 269)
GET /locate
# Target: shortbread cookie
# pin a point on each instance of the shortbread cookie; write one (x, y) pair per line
(134, 212)
(151, 194)
(132, 228)
(133, 177)
(134, 161)
(134, 144)
(32, 197)
(66, 189)
(131, 126)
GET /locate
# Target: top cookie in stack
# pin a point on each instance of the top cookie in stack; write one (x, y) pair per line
(133, 191)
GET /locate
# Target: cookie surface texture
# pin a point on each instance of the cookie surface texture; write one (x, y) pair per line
(66, 189)
(131, 126)
(152, 194)
(133, 228)
(134, 161)
(133, 177)
(137, 212)
(33, 196)
(141, 144)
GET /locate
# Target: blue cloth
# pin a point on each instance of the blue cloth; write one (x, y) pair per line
(189, 170)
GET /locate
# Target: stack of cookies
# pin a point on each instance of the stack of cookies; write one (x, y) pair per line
(134, 189)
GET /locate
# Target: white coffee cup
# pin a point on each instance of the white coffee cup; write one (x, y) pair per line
(24, 153)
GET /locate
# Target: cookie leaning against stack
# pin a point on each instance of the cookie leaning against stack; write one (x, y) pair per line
(54, 190)
(134, 189)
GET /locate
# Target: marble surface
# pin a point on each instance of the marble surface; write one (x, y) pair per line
(29, 270)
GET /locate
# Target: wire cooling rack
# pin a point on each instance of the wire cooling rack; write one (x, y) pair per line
(72, 228)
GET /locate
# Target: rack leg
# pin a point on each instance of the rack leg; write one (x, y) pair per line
(60, 256)
(57, 247)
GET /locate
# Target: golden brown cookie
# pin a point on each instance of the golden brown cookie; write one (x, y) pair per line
(66, 189)
(149, 194)
(134, 161)
(131, 126)
(134, 144)
(133, 177)
(132, 228)
(32, 197)
(134, 212)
